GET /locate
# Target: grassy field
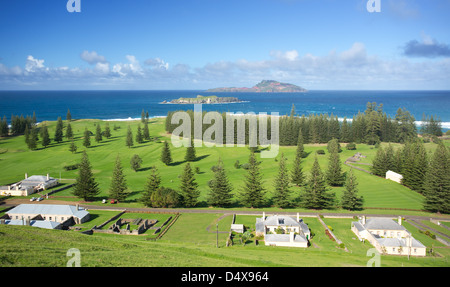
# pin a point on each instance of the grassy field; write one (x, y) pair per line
(17, 160)
(191, 241)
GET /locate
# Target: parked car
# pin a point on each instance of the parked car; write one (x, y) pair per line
(113, 201)
(33, 199)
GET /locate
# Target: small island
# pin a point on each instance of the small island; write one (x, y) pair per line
(204, 100)
(265, 86)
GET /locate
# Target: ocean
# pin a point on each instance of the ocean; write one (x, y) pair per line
(125, 105)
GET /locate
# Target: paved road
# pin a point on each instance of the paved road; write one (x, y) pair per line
(108, 206)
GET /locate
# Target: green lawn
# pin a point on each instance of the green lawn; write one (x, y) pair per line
(17, 160)
(188, 243)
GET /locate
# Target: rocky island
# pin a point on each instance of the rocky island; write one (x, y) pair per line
(265, 86)
(205, 100)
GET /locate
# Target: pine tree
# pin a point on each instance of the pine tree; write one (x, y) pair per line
(316, 195)
(73, 148)
(139, 137)
(334, 175)
(166, 156)
(85, 186)
(220, 188)
(146, 132)
(69, 132)
(107, 131)
(129, 141)
(297, 176)
(190, 152)
(282, 192)
(379, 163)
(68, 116)
(437, 181)
(59, 131)
(27, 136)
(98, 133)
(87, 138)
(252, 194)
(188, 187)
(350, 199)
(135, 162)
(45, 137)
(152, 185)
(143, 120)
(118, 186)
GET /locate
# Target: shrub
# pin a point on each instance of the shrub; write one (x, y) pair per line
(71, 167)
(237, 164)
(320, 151)
(351, 146)
(245, 166)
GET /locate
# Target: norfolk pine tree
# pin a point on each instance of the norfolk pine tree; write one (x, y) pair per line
(297, 176)
(220, 188)
(188, 187)
(45, 137)
(315, 195)
(334, 175)
(59, 130)
(129, 140)
(437, 181)
(85, 185)
(190, 152)
(252, 194)
(98, 133)
(166, 156)
(350, 199)
(87, 138)
(282, 193)
(69, 132)
(152, 185)
(118, 186)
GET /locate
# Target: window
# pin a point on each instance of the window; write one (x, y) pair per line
(393, 249)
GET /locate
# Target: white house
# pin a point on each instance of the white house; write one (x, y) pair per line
(394, 176)
(294, 233)
(388, 236)
(48, 212)
(29, 185)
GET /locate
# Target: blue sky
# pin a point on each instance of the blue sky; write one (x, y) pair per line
(200, 44)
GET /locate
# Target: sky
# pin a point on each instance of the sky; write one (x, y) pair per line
(202, 44)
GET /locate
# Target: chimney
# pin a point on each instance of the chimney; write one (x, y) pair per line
(78, 207)
(48, 176)
(291, 237)
(363, 220)
(399, 220)
(298, 217)
(26, 175)
(264, 216)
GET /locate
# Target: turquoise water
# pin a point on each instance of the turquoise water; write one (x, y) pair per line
(48, 105)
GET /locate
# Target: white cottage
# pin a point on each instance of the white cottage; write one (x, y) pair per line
(295, 233)
(394, 176)
(388, 236)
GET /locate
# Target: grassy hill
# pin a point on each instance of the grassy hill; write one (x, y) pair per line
(16, 160)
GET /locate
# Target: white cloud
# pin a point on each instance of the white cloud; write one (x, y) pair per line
(92, 57)
(158, 63)
(33, 64)
(353, 68)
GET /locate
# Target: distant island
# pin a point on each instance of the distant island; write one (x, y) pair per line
(265, 86)
(204, 100)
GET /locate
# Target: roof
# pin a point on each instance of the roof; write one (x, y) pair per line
(35, 223)
(397, 242)
(36, 180)
(283, 238)
(48, 209)
(358, 226)
(383, 224)
(281, 220)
